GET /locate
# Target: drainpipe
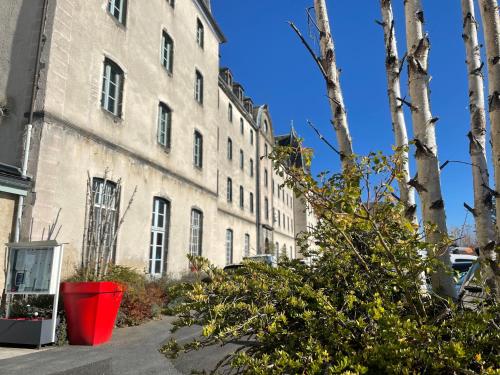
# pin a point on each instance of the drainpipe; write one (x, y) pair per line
(257, 174)
(29, 126)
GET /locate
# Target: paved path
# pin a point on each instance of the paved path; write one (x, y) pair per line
(11, 352)
(132, 350)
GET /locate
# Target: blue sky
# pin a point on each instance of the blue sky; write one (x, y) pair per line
(269, 60)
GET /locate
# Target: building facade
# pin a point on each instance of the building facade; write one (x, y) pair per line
(129, 91)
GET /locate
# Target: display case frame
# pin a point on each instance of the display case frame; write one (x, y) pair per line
(43, 273)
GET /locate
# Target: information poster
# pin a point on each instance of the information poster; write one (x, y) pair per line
(30, 270)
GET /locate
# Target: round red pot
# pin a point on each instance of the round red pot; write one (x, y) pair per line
(91, 309)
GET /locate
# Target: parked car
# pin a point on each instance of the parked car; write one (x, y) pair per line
(264, 258)
(461, 264)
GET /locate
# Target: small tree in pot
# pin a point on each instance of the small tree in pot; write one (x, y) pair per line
(92, 303)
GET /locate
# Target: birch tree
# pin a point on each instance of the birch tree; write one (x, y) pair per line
(335, 96)
(427, 182)
(491, 26)
(393, 70)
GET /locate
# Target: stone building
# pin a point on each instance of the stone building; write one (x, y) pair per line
(134, 88)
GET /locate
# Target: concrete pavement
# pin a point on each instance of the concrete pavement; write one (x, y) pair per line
(132, 350)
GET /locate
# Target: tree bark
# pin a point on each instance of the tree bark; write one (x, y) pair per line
(491, 26)
(334, 90)
(428, 174)
(393, 70)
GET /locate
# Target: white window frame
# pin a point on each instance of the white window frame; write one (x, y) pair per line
(158, 245)
(229, 190)
(200, 33)
(112, 88)
(118, 9)
(229, 149)
(198, 87)
(198, 149)
(196, 233)
(246, 248)
(229, 246)
(164, 125)
(167, 52)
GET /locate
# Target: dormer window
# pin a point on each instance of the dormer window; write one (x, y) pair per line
(229, 78)
(238, 91)
(248, 105)
(266, 126)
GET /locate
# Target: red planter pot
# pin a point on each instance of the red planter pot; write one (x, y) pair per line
(91, 309)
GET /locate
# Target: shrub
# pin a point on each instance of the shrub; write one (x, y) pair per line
(359, 308)
(143, 299)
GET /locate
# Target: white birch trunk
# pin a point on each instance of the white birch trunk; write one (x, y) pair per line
(392, 65)
(333, 84)
(428, 183)
(491, 26)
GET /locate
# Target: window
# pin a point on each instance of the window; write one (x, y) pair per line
(229, 190)
(200, 34)
(159, 236)
(251, 136)
(251, 167)
(266, 208)
(251, 202)
(229, 149)
(279, 218)
(198, 88)
(277, 250)
(198, 150)
(106, 202)
(112, 88)
(164, 125)
(242, 160)
(266, 126)
(265, 150)
(229, 246)
(274, 215)
(279, 190)
(246, 250)
(242, 126)
(242, 197)
(171, 3)
(265, 177)
(118, 9)
(283, 221)
(167, 52)
(195, 240)
(230, 112)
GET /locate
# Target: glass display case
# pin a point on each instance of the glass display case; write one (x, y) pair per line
(30, 270)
